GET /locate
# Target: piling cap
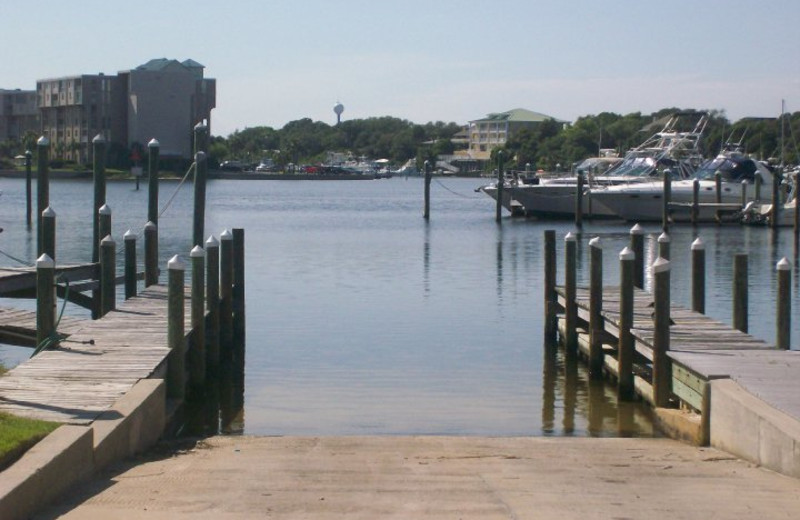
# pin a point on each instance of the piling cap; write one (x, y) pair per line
(200, 156)
(212, 242)
(99, 139)
(595, 242)
(663, 238)
(129, 235)
(661, 265)
(49, 212)
(150, 226)
(627, 254)
(107, 241)
(105, 209)
(226, 235)
(43, 141)
(28, 154)
(637, 230)
(200, 126)
(698, 245)
(153, 143)
(783, 265)
(176, 264)
(570, 237)
(197, 252)
(45, 262)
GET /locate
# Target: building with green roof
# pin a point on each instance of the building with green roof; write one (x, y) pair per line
(497, 128)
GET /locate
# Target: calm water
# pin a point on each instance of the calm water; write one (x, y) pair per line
(364, 319)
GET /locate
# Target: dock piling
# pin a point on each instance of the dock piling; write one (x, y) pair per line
(426, 211)
(130, 264)
(637, 245)
(176, 366)
(200, 175)
(500, 187)
(150, 254)
(212, 304)
(666, 200)
(784, 302)
(695, 201)
(743, 200)
(108, 275)
(153, 148)
(698, 276)
(579, 200)
(28, 190)
(718, 196)
(226, 296)
(662, 372)
(197, 356)
(238, 304)
(664, 245)
(49, 232)
(42, 187)
(570, 288)
(99, 181)
(625, 346)
(45, 299)
(740, 307)
(596, 327)
(550, 297)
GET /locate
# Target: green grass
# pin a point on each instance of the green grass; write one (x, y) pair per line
(18, 434)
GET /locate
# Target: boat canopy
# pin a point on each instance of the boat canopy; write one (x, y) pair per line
(732, 168)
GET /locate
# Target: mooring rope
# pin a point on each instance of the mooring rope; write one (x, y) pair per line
(454, 192)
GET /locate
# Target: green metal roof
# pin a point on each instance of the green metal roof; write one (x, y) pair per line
(517, 115)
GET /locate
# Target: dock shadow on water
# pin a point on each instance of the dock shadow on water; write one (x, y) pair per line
(217, 407)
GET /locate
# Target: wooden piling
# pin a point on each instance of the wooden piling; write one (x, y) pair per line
(718, 195)
(197, 357)
(695, 201)
(238, 294)
(99, 177)
(42, 187)
(500, 187)
(743, 200)
(776, 202)
(45, 299)
(226, 295)
(662, 370)
(150, 254)
(570, 288)
(596, 325)
(212, 304)
(758, 182)
(130, 264)
(579, 201)
(664, 246)
(698, 276)
(740, 306)
(637, 245)
(104, 221)
(550, 297)
(666, 199)
(153, 148)
(200, 174)
(625, 346)
(426, 211)
(108, 275)
(49, 232)
(28, 188)
(176, 365)
(784, 304)
(201, 137)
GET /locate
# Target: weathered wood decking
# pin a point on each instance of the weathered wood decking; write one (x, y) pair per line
(703, 349)
(78, 381)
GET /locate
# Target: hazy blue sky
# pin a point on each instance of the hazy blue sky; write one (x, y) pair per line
(277, 61)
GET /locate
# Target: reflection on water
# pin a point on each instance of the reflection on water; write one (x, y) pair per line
(364, 318)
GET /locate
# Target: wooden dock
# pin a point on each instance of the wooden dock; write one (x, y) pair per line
(78, 381)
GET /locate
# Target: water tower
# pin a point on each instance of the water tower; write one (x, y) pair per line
(338, 108)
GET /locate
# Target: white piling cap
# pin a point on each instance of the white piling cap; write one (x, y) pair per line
(227, 235)
(108, 240)
(783, 265)
(197, 252)
(661, 265)
(176, 264)
(212, 242)
(129, 235)
(105, 209)
(698, 245)
(49, 212)
(43, 141)
(595, 242)
(200, 156)
(200, 126)
(98, 139)
(627, 254)
(153, 143)
(45, 262)
(570, 237)
(150, 225)
(663, 237)
(637, 230)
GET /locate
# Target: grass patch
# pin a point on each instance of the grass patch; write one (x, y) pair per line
(18, 434)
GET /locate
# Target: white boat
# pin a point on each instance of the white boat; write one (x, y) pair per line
(674, 147)
(756, 212)
(643, 201)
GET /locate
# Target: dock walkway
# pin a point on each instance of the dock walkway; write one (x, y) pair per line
(78, 381)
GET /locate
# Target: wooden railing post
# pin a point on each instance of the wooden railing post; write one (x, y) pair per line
(740, 306)
(637, 245)
(625, 347)
(42, 187)
(596, 327)
(150, 254)
(197, 356)
(49, 232)
(698, 276)
(176, 365)
(108, 275)
(45, 299)
(212, 297)
(784, 301)
(550, 299)
(130, 264)
(570, 290)
(662, 369)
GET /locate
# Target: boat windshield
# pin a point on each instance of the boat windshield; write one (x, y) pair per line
(597, 165)
(636, 166)
(732, 169)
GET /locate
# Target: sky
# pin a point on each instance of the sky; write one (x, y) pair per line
(434, 60)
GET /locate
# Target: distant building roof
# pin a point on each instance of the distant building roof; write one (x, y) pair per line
(518, 115)
(162, 63)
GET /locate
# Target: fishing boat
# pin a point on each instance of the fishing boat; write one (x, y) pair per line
(674, 148)
(761, 213)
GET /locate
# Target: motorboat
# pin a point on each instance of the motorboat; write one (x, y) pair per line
(643, 201)
(757, 212)
(674, 148)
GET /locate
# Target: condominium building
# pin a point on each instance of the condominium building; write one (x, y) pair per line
(495, 129)
(162, 99)
(18, 114)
